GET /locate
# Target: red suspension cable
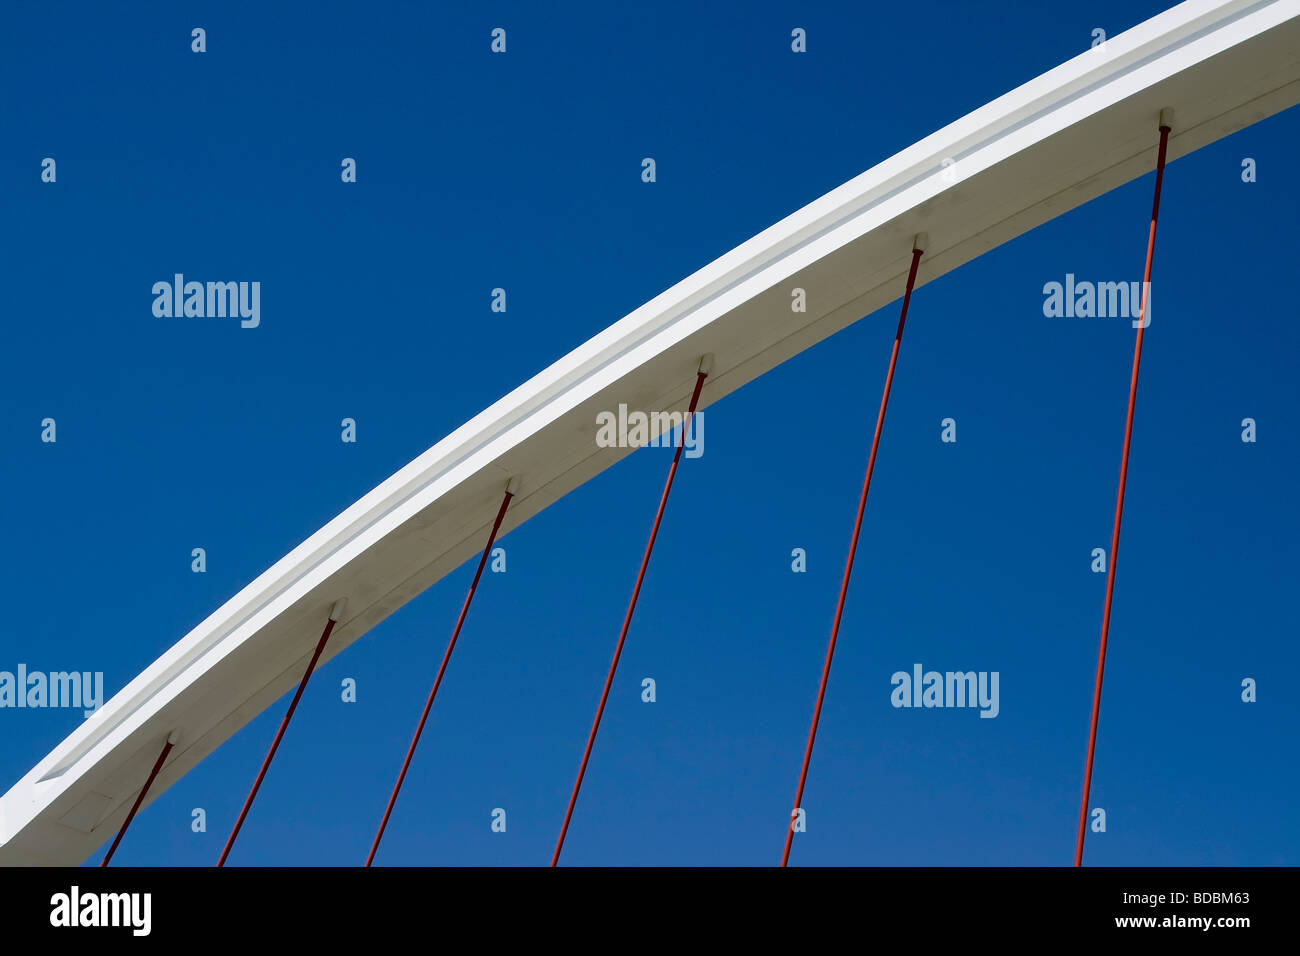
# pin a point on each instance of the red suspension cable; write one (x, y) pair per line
(320, 646)
(627, 619)
(1119, 499)
(437, 682)
(162, 757)
(848, 565)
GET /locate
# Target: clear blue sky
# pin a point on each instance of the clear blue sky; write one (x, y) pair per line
(522, 171)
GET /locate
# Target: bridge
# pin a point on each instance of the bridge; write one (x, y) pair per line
(1184, 79)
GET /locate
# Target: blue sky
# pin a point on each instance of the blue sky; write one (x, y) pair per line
(522, 171)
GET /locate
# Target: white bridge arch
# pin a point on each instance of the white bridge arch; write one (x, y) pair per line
(1066, 137)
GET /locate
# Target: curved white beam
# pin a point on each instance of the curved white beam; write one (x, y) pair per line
(1060, 140)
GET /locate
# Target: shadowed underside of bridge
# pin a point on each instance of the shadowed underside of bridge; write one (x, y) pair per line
(1068, 136)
